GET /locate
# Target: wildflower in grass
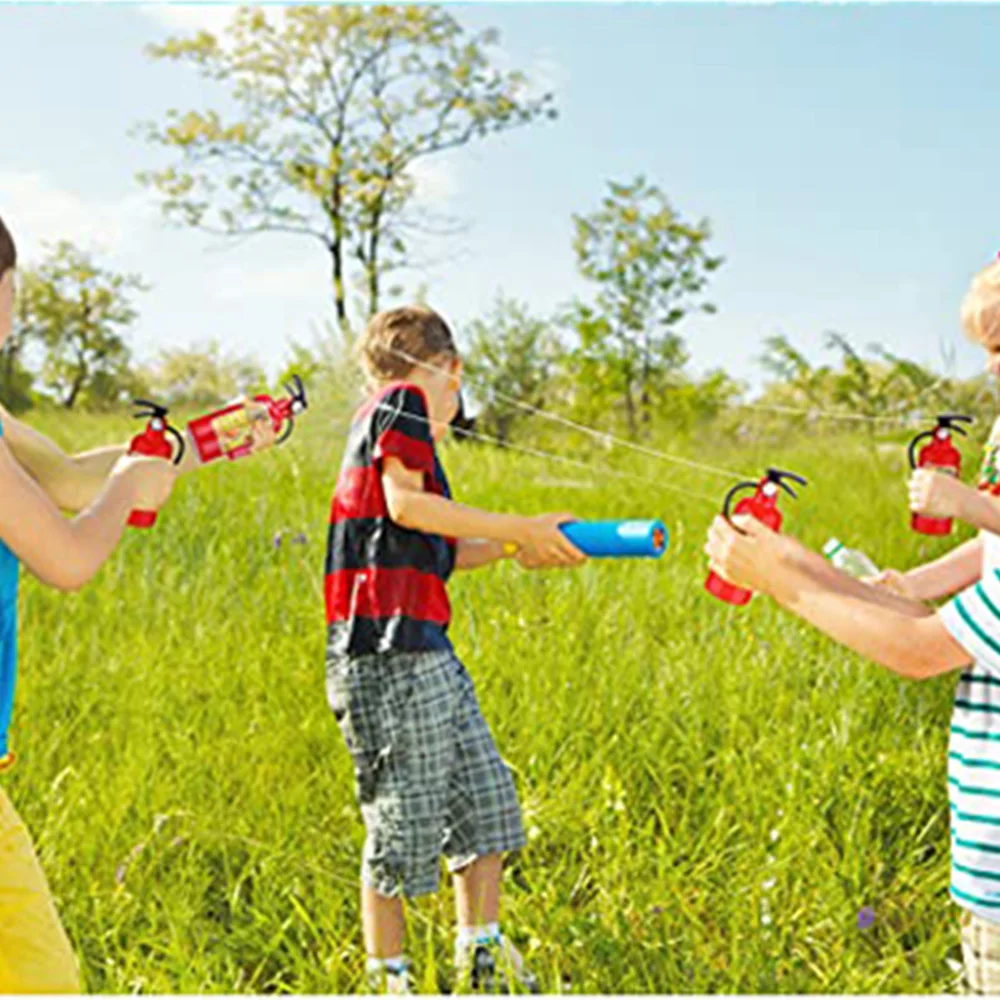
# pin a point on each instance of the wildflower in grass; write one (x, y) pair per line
(866, 917)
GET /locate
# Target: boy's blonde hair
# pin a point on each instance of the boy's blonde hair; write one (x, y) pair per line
(981, 305)
(394, 336)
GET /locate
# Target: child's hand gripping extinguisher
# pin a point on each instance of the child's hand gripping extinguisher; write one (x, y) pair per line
(763, 505)
(155, 442)
(942, 455)
(229, 432)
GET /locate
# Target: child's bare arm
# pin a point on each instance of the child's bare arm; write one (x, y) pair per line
(943, 577)
(903, 635)
(73, 482)
(66, 554)
(475, 553)
(411, 506)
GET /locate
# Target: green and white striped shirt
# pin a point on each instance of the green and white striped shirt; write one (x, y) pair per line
(973, 618)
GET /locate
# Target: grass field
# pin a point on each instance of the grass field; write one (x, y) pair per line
(712, 794)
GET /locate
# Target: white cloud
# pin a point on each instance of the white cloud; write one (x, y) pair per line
(39, 212)
(191, 17)
(436, 179)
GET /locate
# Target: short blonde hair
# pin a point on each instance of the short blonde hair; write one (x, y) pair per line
(396, 336)
(981, 305)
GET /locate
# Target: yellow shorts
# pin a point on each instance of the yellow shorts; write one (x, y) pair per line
(35, 954)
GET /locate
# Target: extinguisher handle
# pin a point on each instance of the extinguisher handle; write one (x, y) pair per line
(912, 450)
(730, 496)
(146, 408)
(954, 421)
(781, 477)
(294, 404)
(179, 438)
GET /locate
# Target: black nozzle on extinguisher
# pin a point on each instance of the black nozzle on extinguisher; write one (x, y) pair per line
(953, 422)
(777, 476)
(780, 477)
(148, 410)
(297, 394)
(945, 421)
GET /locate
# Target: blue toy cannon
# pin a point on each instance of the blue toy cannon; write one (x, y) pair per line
(618, 539)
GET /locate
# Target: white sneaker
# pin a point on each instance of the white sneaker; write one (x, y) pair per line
(388, 981)
(495, 967)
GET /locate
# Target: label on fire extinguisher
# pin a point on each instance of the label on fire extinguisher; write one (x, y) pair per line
(233, 430)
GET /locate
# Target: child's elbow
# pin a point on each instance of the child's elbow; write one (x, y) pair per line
(68, 580)
(917, 669)
(67, 576)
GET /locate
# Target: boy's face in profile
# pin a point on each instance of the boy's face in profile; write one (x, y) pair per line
(6, 306)
(443, 387)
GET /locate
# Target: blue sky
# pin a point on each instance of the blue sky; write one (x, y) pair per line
(847, 156)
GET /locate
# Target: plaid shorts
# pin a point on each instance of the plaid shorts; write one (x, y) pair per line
(430, 780)
(980, 954)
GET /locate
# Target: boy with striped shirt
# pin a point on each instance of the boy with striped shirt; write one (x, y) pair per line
(429, 778)
(893, 625)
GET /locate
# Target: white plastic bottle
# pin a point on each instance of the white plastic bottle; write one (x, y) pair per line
(855, 563)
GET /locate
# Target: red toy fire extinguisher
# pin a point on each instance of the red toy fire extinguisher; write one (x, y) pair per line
(941, 455)
(763, 505)
(155, 442)
(229, 432)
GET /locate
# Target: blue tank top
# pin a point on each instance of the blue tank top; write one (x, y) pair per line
(9, 572)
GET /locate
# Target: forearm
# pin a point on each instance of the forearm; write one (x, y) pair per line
(81, 480)
(948, 575)
(474, 553)
(436, 515)
(72, 482)
(98, 530)
(981, 510)
(61, 553)
(892, 630)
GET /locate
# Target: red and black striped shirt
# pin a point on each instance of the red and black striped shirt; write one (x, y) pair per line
(386, 585)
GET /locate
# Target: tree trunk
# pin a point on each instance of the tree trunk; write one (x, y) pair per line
(372, 266)
(374, 237)
(336, 245)
(70, 401)
(339, 297)
(630, 409)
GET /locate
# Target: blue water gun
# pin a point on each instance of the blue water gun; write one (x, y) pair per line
(618, 539)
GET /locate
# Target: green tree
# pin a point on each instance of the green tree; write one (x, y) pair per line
(511, 353)
(650, 267)
(795, 371)
(16, 379)
(882, 386)
(202, 375)
(335, 109)
(80, 313)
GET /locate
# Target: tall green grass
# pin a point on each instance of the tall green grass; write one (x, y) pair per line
(712, 794)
